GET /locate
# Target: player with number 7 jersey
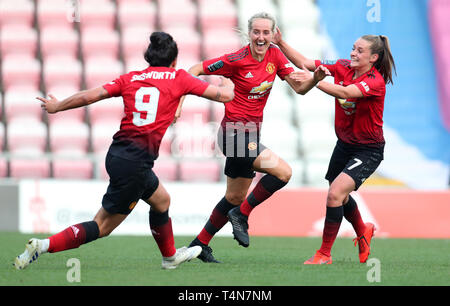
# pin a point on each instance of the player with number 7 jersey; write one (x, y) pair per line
(151, 98)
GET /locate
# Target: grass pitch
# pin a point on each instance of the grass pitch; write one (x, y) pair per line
(269, 261)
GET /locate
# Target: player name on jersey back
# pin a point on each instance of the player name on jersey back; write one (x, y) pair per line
(155, 75)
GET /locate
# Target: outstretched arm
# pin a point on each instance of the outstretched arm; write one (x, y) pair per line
(298, 59)
(304, 81)
(82, 98)
(340, 92)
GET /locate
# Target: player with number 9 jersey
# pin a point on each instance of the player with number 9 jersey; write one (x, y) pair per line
(150, 98)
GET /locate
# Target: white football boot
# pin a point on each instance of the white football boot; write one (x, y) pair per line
(182, 255)
(32, 251)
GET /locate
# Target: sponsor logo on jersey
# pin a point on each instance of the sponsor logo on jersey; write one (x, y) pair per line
(262, 88)
(348, 106)
(270, 68)
(215, 66)
(328, 62)
(249, 75)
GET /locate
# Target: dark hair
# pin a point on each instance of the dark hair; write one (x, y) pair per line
(385, 63)
(162, 50)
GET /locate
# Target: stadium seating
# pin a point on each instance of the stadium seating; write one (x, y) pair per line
(22, 103)
(76, 45)
(69, 137)
(57, 40)
(199, 170)
(29, 168)
(2, 136)
(20, 70)
(166, 169)
(62, 70)
(3, 167)
(26, 137)
(16, 12)
(65, 168)
(18, 39)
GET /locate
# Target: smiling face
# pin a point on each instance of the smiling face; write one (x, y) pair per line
(261, 34)
(361, 55)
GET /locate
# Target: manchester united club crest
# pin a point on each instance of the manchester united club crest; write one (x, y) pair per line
(270, 68)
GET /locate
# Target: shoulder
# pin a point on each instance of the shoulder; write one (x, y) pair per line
(238, 55)
(344, 63)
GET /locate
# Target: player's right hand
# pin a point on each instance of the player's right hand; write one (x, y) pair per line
(49, 105)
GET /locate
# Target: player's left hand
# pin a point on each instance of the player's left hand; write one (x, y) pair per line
(49, 105)
(320, 73)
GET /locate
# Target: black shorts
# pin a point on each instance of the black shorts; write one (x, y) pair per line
(129, 181)
(241, 148)
(358, 161)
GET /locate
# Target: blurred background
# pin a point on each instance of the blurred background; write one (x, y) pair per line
(63, 46)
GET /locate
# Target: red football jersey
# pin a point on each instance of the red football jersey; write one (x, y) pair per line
(358, 121)
(150, 98)
(253, 81)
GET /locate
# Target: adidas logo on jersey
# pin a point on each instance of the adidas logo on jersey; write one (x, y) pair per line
(249, 75)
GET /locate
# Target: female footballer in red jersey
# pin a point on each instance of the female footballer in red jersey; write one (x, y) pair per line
(253, 70)
(359, 88)
(151, 98)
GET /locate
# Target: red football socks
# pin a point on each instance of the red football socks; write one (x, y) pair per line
(333, 221)
(352, 215)
(73, 236)
(216, 221)
(264, 189)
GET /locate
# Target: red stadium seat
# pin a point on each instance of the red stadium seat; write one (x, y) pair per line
(97, 13)
(22, 103)
(64, 168)
(56, 13)
(2, 136)
(18, 39)
(195, 110)
(217, 42)
(194, 140)
(99, 41)
(135, 40)
(17, 12)
(69, 137)
(26, 136)
(58, 40)
(100, 70)
(109, 110)
(60, 70)
(29, 168)
(20, 70)
(166, 169)
(3, 167)
(221, 14)
(101, 135)
(140, 13)
(200, 170)
(189, 41)
(177, 13)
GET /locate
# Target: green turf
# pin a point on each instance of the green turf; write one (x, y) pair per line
(269, 261)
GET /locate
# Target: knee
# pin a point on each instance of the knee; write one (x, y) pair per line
(286, 174)
(235, 198)
(335, 198)
(162, 205)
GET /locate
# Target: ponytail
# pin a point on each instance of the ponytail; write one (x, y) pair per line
(385, 63)
(161, 51)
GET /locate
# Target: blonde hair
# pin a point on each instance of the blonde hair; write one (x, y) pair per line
(262, 15)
